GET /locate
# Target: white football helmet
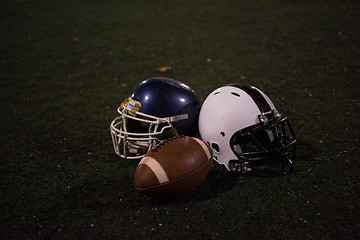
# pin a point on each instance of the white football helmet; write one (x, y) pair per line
(246, 132)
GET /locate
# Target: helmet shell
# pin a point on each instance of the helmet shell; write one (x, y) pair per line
(164, 97)
(227, 110)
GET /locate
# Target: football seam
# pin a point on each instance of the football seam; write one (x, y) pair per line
(177, 179)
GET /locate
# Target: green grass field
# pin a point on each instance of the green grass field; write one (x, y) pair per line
(67, 65)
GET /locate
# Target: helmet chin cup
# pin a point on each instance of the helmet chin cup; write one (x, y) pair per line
(137, 148)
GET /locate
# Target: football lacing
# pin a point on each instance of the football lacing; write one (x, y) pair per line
(164, 142)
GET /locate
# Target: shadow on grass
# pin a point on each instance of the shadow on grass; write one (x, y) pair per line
(220, 181)
(216, 183)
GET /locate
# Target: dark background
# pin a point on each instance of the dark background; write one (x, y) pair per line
(67, 65)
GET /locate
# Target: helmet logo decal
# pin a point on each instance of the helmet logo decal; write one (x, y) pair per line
(131, 106)
(222, 134)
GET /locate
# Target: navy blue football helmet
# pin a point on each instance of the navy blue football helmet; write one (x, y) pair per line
(157, 108)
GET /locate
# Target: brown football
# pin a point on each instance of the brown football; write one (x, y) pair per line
(173, 167)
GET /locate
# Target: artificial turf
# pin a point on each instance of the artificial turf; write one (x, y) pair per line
(67, 65)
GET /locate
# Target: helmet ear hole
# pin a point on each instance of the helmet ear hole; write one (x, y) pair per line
(215, 147)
